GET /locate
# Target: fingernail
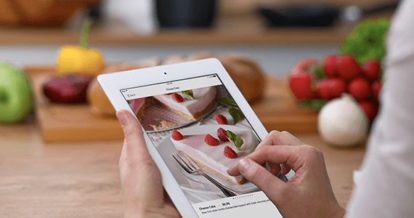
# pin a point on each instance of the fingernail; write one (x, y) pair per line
(122, 117)
(244, 165)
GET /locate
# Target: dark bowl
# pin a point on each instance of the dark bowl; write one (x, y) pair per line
(300, 15)
(185, 13)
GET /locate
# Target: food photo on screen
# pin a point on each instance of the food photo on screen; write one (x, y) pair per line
(199, 133)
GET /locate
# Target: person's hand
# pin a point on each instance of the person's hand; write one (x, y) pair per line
(143, 193)
(308, 193)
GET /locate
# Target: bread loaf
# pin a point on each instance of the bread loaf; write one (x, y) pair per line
(247, 75)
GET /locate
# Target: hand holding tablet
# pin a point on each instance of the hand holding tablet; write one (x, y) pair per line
(140, 177)
(200, 103)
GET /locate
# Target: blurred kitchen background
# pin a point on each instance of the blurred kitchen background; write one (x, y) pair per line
(276, 33)
(311, 67)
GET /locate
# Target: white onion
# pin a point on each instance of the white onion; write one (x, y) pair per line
(342, 122)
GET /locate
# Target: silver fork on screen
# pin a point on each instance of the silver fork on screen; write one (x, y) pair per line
(192, 168)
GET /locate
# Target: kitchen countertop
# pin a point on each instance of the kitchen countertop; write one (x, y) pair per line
(81, 179)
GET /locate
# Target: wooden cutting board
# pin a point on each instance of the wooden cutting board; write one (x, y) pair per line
(278, 110)
(63, 123)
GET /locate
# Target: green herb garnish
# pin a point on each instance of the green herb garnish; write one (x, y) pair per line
(188, 94)
(234, 110)
(237, 140)
(236, 114)
(227, 102)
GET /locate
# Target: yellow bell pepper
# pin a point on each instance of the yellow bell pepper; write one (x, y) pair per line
(75, 59)
(80, 59)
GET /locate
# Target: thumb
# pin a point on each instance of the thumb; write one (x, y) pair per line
(263, 179)
(135, 145)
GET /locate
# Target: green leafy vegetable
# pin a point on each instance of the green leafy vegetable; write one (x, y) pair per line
(315, 104)
(235, 139)
(367, 40)
(188, 94)
(317, 71)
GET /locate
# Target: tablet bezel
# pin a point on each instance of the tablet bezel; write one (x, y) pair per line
(113, 83)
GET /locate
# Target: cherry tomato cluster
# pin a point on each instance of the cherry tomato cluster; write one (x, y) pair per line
(311, 80)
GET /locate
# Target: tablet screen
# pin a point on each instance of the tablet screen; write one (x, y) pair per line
(200, 132)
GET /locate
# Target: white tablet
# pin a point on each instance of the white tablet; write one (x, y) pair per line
(197, 124)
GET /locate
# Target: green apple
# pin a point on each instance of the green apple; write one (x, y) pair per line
(16, 100)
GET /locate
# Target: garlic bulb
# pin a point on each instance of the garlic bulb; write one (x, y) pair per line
(342, 122)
